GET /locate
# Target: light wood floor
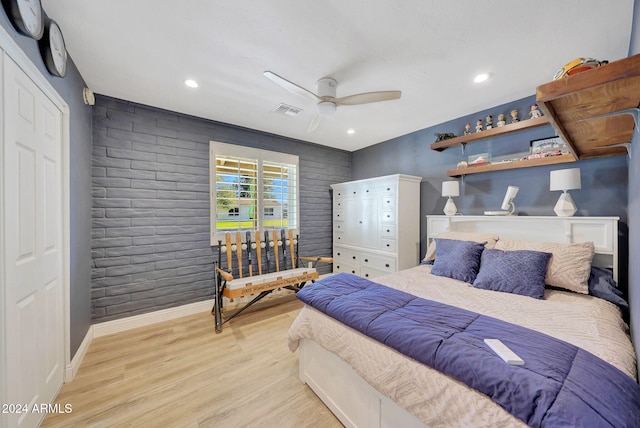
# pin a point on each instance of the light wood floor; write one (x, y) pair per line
(180, 373)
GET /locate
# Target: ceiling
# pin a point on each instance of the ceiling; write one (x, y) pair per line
(430, 50)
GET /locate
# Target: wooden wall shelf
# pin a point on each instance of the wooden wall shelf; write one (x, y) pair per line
(511, 165)
(607, 89)
(506, 129)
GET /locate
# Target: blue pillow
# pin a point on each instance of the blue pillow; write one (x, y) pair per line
(518, 272)
(602, 285)
(457, 259)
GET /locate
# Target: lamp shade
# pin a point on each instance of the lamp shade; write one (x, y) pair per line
(565, 179)
(450, 188)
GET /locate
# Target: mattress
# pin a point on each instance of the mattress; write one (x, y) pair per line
(582, 320)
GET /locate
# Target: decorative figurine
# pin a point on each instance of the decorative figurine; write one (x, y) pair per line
(501, 121)
(535, 112)
(467, 129)
(514, 116)
(478, 125)
(489, 122)
(462, 164)
(441, 136)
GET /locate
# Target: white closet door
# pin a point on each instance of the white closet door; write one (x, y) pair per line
(33, 250)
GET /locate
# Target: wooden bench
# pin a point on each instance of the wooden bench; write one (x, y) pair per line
(264, 262)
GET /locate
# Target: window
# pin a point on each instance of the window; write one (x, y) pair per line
(252, 189)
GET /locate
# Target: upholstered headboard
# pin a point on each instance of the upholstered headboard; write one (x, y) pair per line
(602, 231)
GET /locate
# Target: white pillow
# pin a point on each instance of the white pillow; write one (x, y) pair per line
(569, 266)
(489, 238)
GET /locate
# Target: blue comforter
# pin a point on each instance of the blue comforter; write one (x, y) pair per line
(559, 384)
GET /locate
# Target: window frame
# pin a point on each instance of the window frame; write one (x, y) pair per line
(233, 150)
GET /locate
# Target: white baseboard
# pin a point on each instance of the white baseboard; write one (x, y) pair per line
(76, 361)
(143, 320)
(124, 324)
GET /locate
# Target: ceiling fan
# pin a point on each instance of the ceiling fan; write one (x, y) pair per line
(326, 96)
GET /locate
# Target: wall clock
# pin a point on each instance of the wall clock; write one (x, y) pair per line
(26, 16)
(53, 49)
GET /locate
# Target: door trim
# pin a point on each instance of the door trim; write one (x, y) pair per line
(11, 49)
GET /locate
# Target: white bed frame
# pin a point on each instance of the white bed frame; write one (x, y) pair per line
(354, 402)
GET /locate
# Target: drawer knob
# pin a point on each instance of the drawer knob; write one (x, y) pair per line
(353, 271)
(386, 265)
(353, 257)
(366, 275)
(366, 260)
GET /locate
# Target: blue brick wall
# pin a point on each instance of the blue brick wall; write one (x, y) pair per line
(150, 219)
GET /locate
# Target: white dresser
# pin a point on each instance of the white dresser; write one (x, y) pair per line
(376, 225)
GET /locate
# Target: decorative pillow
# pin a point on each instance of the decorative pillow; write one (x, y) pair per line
(518, 272)
(602, 285)
(570, 264)
(457, 259)
(489, 238)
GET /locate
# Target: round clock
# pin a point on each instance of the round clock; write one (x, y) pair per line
(53, 49)
(26, 16)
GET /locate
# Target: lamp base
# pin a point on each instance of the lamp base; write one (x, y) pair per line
(565, 206)
(450, 208)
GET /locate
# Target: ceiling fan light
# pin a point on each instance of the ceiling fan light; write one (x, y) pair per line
(326, 108)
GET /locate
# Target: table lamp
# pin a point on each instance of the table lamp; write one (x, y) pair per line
(450, 189)
(565, 180)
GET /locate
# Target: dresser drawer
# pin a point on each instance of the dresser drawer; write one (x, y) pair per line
(386, 188)
(388, 216)
(388, 231)
(381, 263)
(347, 256)
(369, 273)
(389, 245)
(346, 267)
(389, 203)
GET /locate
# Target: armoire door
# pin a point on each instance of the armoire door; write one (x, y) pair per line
(33, 253)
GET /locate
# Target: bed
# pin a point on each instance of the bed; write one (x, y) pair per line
(368, 384)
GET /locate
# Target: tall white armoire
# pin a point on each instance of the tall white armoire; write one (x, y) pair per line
(376, 225)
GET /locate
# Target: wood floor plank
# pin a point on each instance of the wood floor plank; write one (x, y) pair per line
(180, 373)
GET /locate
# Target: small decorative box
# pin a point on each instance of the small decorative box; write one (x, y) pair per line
(479, 159)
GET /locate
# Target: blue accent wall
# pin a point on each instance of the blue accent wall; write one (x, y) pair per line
(70, 89)
(604, 181)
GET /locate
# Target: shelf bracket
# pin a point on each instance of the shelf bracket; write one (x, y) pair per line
(634, 112)
(463, 146)
(625, 145)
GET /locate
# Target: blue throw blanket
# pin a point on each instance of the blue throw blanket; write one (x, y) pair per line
(560, 385)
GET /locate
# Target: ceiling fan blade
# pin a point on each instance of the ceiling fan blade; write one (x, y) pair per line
(290, 86)
(314, 123)
(367, 97)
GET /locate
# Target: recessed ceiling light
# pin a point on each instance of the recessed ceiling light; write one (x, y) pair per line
(351, 131)
(191, 83)
(481, 77)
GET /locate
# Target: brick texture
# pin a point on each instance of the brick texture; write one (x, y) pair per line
(150, 217)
